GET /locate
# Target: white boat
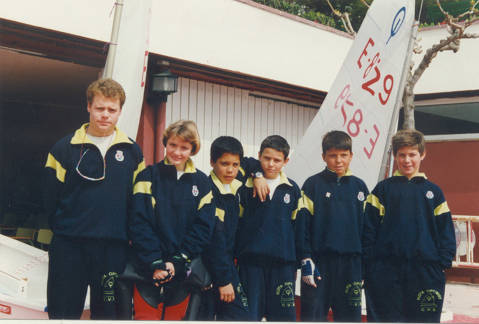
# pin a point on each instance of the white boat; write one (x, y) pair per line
(23, 281)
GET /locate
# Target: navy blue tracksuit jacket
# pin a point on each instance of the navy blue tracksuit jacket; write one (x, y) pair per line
(408, 241)
(329, 228)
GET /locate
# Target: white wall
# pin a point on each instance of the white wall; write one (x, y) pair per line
(449, 71)
(226, 34)
(220, 110)
(239, 37)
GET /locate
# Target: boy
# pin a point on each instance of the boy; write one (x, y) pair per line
(88, 188)
(227, 299)
(408, 240)
(328, 236)
(265, 239)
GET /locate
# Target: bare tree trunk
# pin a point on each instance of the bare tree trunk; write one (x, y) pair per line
(408, 101)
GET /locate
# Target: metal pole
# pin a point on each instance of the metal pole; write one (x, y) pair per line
(110, 60)
(395, 117)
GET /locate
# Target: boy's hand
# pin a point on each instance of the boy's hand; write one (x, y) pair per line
(227, 293)
(161, 276)
(309, 272)
(260, 188)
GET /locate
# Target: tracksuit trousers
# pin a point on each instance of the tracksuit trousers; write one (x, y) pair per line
(76, 263)
(338, 289)
(404, 291)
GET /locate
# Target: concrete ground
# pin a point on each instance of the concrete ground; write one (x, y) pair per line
(461, 303)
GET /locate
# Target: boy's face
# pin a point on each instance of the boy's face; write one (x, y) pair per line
(338, 160)
(272, 161)
(226, 167)
(178, 151)
(408, 160)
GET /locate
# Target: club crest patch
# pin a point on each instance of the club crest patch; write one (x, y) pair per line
(328, 194)
(429, 194)
(361, 196)
(287, 198)
(195, 191)
(119, 156)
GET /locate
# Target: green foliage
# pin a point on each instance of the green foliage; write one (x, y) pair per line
(433, 15)
(300, 9)
(319, 10)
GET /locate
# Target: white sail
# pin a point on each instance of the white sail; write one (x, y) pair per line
(131, 61)
(363, 96)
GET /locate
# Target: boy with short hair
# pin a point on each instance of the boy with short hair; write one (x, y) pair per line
(408, 240)
(328, 236)
(265, 239)
(227, 299)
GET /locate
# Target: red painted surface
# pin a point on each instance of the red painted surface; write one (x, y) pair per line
(454, 166)
(143, 311)
(150, 131)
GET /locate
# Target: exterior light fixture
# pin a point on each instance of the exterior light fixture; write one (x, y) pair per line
(162, 84)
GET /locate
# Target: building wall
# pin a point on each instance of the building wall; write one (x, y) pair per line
(221, 110)
(453, 166)
(448, 71)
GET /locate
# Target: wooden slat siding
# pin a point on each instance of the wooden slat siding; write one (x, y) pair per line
(237, 113)
(283, 121)
(184, 92)
(193, 100)
(245, 124)
(200, 114)
(230, 111)
(176, 107)
(221, 110)
(250, 138)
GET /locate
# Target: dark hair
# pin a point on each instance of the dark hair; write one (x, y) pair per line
(275, 142)
(225, 144)
(408, 137)
(337, 140)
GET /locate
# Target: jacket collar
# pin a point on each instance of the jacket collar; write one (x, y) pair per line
(80, 136)
(235, 184)
(330, 173)
(189, 168)
(417, 175)
(283, 179)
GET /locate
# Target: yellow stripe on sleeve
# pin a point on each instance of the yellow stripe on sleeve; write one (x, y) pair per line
(143, 187)
(205, 200)
(308, 204)
(241, 212)
(374, 201)
(220, 213)
(55, 165)
(141, 167)
(441, 209)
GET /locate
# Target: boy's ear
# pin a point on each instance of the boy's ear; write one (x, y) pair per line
(423, 155)
(259, 155)
(212, 163)
(286, 161)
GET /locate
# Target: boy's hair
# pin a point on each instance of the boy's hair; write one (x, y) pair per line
(107, 87)
(275, 142)
(408, 137)
(225, 144)
(186, 130)
(337, 140)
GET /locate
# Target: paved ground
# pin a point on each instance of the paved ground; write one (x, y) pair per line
(461, 304)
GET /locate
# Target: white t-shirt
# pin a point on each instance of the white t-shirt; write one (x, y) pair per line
(272, 184)
(179, 174)
(227, 187)
(102, 142)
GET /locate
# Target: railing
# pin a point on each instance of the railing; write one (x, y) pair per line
(465, 242)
